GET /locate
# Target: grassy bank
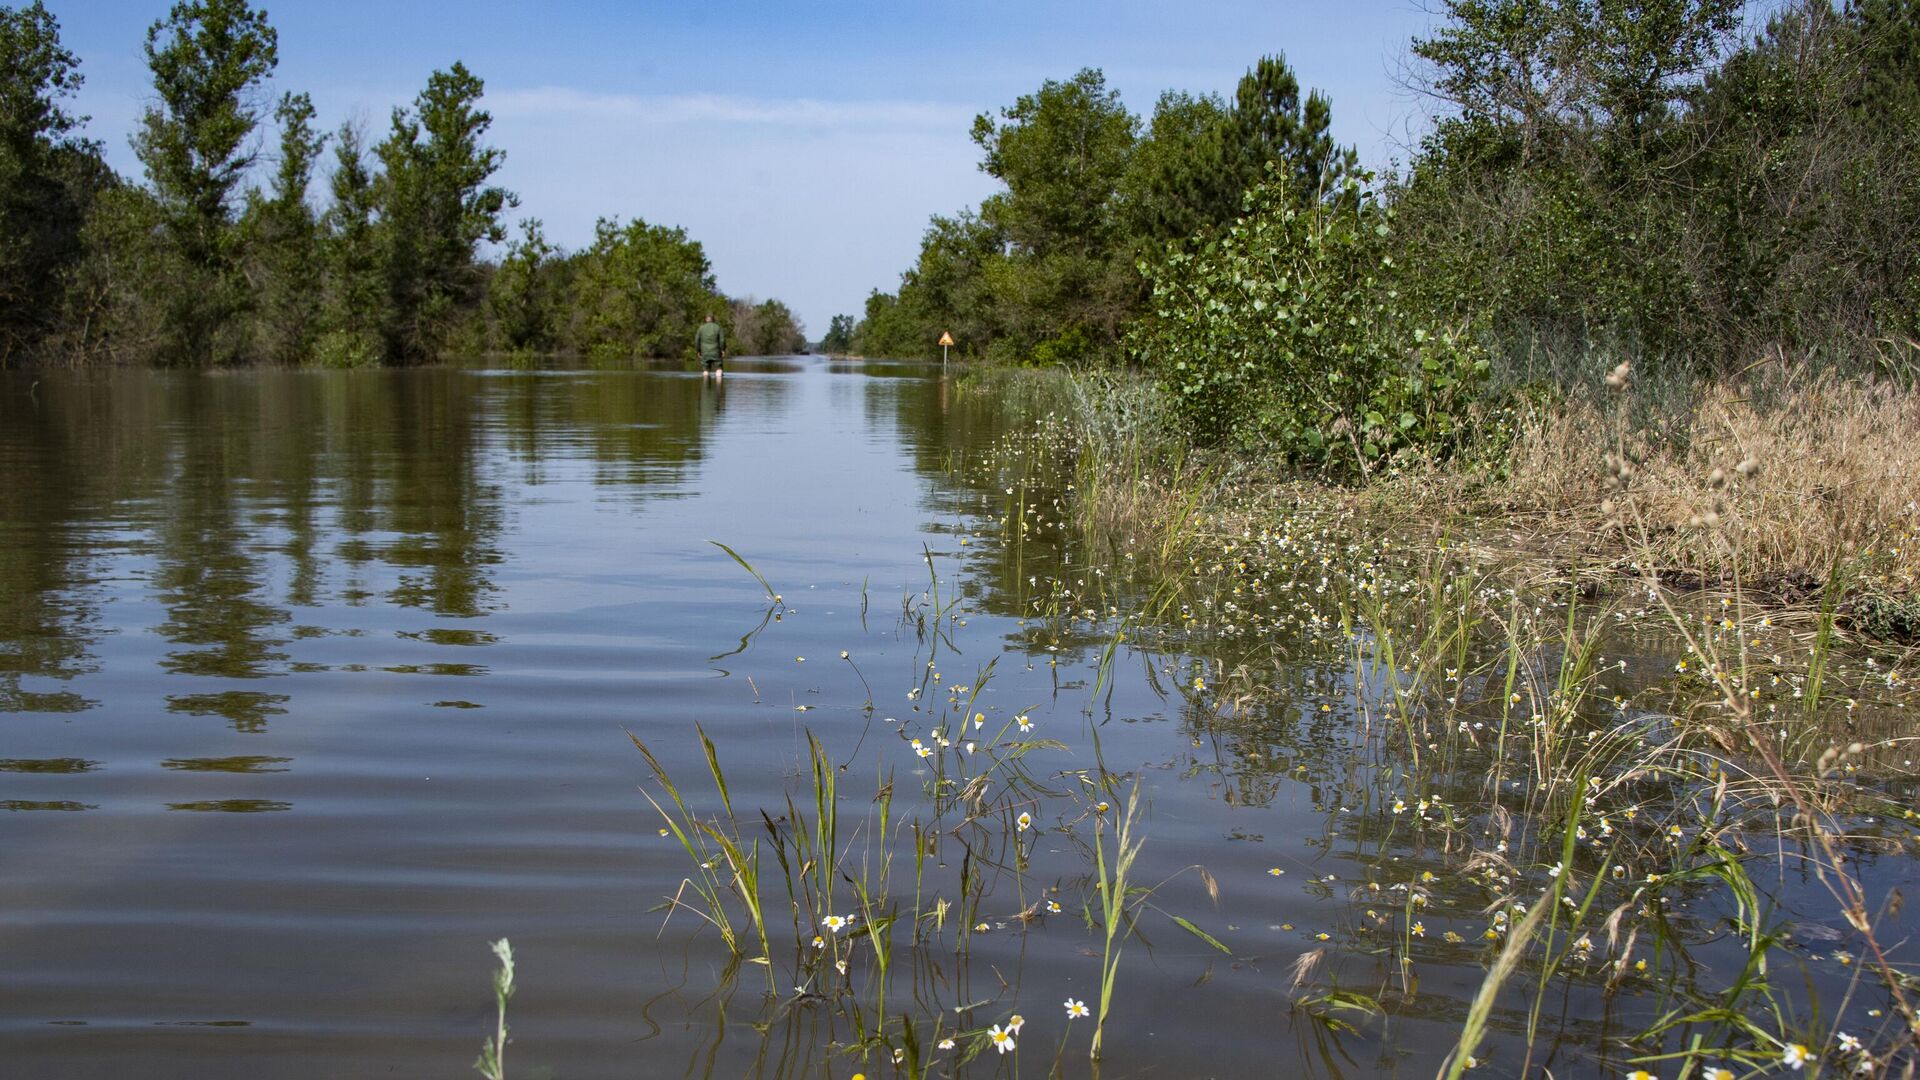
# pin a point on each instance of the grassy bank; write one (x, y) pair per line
(1796, 490)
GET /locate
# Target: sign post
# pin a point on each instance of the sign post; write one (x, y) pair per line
(946, 340)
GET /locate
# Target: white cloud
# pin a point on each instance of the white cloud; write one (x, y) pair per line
(560, 101)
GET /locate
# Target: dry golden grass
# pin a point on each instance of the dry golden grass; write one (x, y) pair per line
(1834, 474)
(1834, 478)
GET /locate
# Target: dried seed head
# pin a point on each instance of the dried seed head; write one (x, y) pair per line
(1617, 378)
(1710, 518)
(1747, 467)
(1716, 479)
(1607, 507)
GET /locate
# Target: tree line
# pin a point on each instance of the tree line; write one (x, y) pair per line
(199, 262)
(1651, 179)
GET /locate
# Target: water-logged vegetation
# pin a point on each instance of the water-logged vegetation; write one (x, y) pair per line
(1455, 621)
(1626, 828)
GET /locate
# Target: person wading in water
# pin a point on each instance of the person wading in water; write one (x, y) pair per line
(711, 343)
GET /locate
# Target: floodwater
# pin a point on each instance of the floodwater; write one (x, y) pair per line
(313, 684)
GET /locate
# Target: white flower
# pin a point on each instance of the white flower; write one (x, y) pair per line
(1002, 1040)
(1848, 1044)
(1795, 1056)
(946, 1044)
(1015, 1023)
(1025, 821)
(1076, 1008)
(834, 923)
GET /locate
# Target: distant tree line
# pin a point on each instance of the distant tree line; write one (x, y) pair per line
(199, 263)
(1047, 270)
(1648, 177)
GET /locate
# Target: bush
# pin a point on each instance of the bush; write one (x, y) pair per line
(1289, 330)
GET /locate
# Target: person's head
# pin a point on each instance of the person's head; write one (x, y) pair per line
(709, 316)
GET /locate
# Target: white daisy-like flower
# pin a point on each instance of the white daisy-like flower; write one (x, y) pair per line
(1002, 1040)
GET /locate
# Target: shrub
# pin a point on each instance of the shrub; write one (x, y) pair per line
(1289, 330)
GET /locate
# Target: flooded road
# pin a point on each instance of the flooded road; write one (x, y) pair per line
(312, 684)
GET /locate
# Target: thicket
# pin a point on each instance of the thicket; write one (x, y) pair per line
(1650, 181)
(214, 256)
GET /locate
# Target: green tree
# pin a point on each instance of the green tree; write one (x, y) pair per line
(886, 329)
(1065, 284)
(356, 303)
(436, 206)
(282, 240)
(1201, 155)
(1176, 184)
(1271, 126)
(47, 176)
(208, 58)
(523, 293)
(1548, 200)
(839, 336)
(764, 328)
(639, 291)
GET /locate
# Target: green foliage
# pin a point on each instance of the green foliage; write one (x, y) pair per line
(764, 328)
(839, 335)
(524, 295)
(281, 241)
(1044, 271)
(1060, 152)
(356, 304)
(208, 57)
(1289, 329)
(197, 268)
(47, 176)
(435, 207)
(892, 329)
(1631, 174)
(639, 291)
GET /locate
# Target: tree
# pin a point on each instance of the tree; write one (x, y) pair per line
(522, 297)
(47, 175)
(1190, 174)
(1271, 126)
(356, 306)
(436, 206)
(1061, 152)
(208, 57)
(1064, 285)
(1549, 72)
(1176, 184)
(638, 291)
(764, 328)
(886, 329)
(282, 237)
(839, 336)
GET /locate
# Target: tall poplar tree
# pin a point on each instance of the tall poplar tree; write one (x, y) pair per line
(209, 58)
(436, 206)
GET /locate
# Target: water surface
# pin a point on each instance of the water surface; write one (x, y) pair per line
(314, 683)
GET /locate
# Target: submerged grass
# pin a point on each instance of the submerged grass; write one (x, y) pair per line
(1594, 787)
(1635, 804)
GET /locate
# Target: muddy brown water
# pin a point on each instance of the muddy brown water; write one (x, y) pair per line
(314, 683)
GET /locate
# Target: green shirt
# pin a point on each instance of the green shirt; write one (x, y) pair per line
(710, 341)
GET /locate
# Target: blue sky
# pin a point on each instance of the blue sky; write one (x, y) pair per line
(805, 145)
